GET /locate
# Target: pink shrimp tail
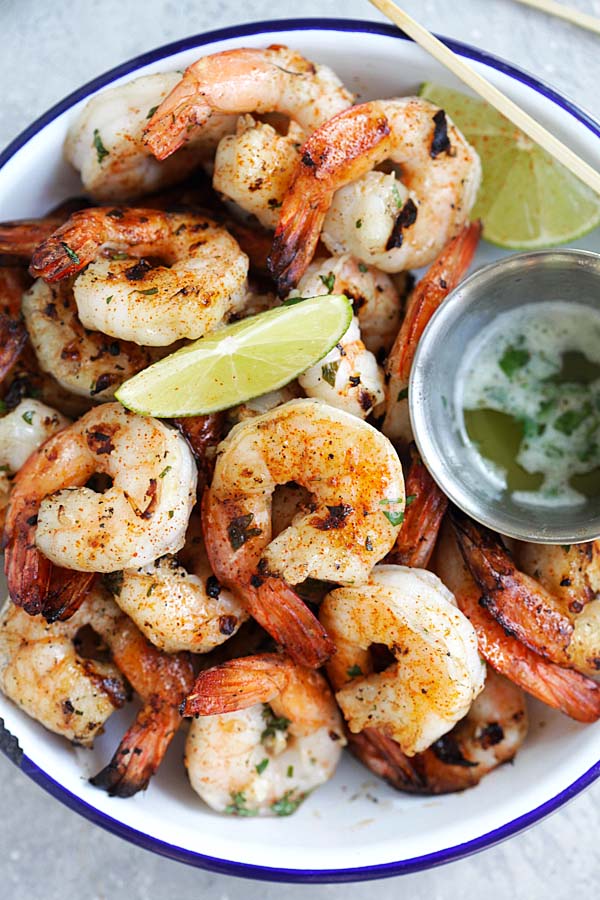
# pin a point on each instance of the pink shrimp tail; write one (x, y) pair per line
(236, 684)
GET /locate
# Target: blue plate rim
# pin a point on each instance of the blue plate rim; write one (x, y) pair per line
(214, 864)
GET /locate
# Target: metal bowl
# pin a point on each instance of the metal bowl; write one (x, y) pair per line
(435, 407)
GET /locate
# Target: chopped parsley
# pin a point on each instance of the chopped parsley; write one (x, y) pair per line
(362, 268)
(354, 671)
(394, 518)
(28, 416)
(358, 223)
(329, 372)
(150, 589)
(402, 395)
(164, 471)
(290, 771)
(108, 299)
(570, 421)
(328, 281)
(273, 723)
(291, 301)
(151, 111)
(101, 150)
(149, 292)
(396, 196)
(410, 499)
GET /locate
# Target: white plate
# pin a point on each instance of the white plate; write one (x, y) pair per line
(355, 827)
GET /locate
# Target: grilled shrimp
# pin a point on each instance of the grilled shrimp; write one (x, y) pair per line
(85, 362)
(563, 689)
(105, 143)
(521, 603)
(355, 479)
(443, 276)
(254, 166)
(13, 334)
(349, 376)
(435, 672)
(53, 518)
(42, 671)
(269, 733)
(204, 281)
(440, 173)
(425, 508)
(245, 81)
(489, 735)
(180, 605)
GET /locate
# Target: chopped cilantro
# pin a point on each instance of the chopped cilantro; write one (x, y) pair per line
(394, 518)
(357, 224)
(149, 292)
(151, 111)
(262, 765)
(70, 253)
(290, 771)
(328, 281)
(238, 807)
(100, 148)
(164, 471)
(108, 299)
(291, 301)
(396, 196)
(273, 723)
(354, 671)
(287, 804)
(513, 359)
(28, 416)
(329, 372)
(402, 395)
(410, 499)
(362, 268)
(570, 421)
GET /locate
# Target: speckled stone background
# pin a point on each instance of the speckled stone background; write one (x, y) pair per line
(46, 851)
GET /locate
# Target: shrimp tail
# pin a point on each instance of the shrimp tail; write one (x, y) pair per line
(66, 592)
(521, 605)
(384, 758)
(325, 157)
(141, 751)
(170, 126)
(426, 505)
(28, 572)
(236, 684)
(13, 336)
(68, 249)
(203, 434)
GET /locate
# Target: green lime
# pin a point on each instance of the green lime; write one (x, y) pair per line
(526, 199)
(241, 361)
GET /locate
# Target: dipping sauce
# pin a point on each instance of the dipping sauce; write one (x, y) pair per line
(529, 391)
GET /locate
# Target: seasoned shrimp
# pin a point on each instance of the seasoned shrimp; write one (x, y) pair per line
(245, 81)
(151, 305)
(53, 518)
(270, 733)
(425, 508)
(105, 143)
(357, 488)
(436, 672)
(13, 334)
(161, 681)
(563, 689)
(443, 276)
(254, 166)
(441, 173)
(489, 735)
(85, 362)
(522, 604)
(42, 671)
(179, 608)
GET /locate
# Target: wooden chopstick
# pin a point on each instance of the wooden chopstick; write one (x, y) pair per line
(584, 20)
(489, 92)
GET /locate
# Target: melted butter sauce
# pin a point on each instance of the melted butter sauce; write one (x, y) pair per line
(529, 391)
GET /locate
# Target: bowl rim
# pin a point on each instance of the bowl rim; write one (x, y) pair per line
(9, 743)
(465, 294)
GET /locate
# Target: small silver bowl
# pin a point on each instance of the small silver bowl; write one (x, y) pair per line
(568, 275)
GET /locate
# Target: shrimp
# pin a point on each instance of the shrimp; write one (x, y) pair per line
(357, 488)
(245, 81)
(440, 171)
(425, 508)
(489, 735)
(435, 672)
(43, 672)
(443, 276)
(206, 280)
(563, 689)
(20, 238)
(162, 682)
(53, 518)
(203, 434)
(178, 609)
(254, 166)
(105, 142)
(85, 362)
(270, 733)
(13, 334)
(349, 376)
(523, 606)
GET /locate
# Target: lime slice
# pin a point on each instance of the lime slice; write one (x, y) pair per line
(527, 199)
(241, 361)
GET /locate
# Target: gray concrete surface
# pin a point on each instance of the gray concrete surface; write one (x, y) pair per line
(46, 851)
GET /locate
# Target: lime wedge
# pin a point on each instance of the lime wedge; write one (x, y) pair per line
(241, 361)
(527, 199)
